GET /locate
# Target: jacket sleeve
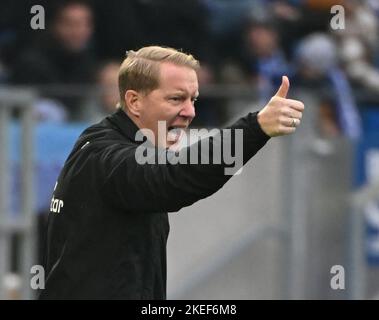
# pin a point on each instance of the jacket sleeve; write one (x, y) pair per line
(160, 187)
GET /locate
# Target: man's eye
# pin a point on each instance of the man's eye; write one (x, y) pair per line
(176, 99)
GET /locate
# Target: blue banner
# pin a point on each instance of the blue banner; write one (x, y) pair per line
(53, 143)
(367, 171)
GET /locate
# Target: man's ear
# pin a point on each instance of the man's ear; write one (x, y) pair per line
(132, 102)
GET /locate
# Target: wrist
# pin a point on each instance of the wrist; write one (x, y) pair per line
(258, 125)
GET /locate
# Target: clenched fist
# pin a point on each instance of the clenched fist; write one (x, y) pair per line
(281, 115)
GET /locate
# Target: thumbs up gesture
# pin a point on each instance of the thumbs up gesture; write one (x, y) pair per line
(281, 116)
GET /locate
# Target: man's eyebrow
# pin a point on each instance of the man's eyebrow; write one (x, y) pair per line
(181, 91)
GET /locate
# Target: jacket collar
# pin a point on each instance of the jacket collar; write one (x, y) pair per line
(126, 125)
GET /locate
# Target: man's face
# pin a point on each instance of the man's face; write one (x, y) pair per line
(74, 27)
(172, 102)
(108, 81)
(262, 41)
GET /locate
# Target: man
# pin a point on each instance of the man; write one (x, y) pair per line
(108, 224)
(61, 56)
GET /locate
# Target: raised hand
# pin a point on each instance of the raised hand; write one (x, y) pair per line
(281, 116)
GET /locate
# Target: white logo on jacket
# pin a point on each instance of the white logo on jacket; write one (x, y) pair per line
(56, 204)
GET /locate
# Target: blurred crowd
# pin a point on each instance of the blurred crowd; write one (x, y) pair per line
(240, 42)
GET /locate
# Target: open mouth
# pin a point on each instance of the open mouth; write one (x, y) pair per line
(174, 133)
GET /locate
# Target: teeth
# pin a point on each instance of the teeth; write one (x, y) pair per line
(174, 134)
(175, 130)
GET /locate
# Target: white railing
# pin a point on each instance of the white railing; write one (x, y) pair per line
(24, 223)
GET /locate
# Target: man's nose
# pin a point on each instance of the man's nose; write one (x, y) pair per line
(188, 110)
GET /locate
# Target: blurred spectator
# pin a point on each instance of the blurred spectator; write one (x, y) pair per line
(358, 44)
(361, 23)
(298, 18)
(107, 82)
(226, 22)
(289, 17)
(317, 69)
(62, 55)
(263, 61)
(47, 110)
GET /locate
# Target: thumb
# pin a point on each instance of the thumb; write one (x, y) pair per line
(284, 87)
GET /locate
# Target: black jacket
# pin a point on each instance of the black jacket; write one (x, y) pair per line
(108, 222)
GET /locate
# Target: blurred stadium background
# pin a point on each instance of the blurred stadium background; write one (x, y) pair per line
(306, 203)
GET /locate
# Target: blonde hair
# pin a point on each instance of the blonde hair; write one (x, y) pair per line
(140, 69)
